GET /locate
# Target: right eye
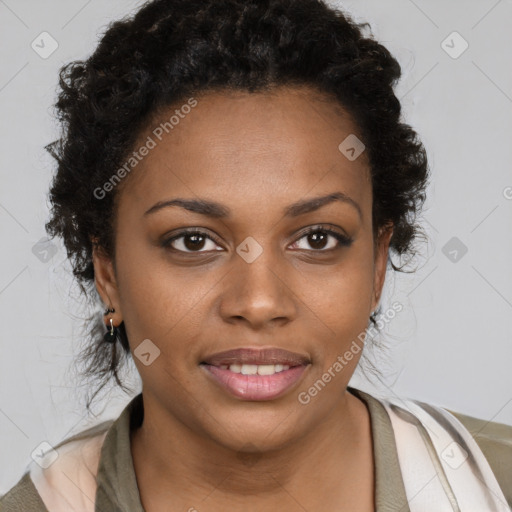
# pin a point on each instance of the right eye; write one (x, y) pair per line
(188, 241)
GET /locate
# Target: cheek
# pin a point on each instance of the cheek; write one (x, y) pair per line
(343, 308)
(163, 303)
(342, 297)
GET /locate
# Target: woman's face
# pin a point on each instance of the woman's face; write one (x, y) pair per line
(253, 279)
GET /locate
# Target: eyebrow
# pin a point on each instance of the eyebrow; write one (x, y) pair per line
(219, 211)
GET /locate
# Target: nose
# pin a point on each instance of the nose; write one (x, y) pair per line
(259, 292)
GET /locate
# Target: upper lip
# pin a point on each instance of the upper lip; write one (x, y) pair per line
(256, 356)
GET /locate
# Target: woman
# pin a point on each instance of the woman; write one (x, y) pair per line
(232, 178)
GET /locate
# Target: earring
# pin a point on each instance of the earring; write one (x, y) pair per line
(111, 335)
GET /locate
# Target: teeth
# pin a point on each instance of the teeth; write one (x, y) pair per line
(249, 369)
(266, 369)
(253, 369)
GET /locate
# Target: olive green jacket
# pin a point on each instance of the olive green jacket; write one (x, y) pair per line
(116, 482)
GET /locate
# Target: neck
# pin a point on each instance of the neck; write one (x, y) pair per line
(168, 455)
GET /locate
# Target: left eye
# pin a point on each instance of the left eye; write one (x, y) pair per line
(317, 236)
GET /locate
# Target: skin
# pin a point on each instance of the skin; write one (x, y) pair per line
(198, 445)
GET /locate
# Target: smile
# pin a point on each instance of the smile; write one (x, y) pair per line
(260, 382)
(255, 369)
(250, 374)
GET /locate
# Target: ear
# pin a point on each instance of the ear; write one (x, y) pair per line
(105, 280)
(380, 263)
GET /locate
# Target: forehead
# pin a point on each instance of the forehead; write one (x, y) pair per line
(250, 149)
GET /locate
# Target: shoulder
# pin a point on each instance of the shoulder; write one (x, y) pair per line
(495, 441)
(22, 497)
(62, 475)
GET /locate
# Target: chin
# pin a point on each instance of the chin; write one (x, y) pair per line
(247, 429)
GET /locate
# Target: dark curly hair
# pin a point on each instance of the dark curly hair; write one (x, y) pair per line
(169, 50)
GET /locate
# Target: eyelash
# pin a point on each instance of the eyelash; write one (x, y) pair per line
(343, 240)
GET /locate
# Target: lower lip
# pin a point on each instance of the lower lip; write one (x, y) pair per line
(256, 387)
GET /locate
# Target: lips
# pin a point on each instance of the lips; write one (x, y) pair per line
(257, 356)
(256, 374)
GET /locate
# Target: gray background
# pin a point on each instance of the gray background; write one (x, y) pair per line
(452, 343)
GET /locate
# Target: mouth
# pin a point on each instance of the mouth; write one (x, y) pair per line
(256, 374)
